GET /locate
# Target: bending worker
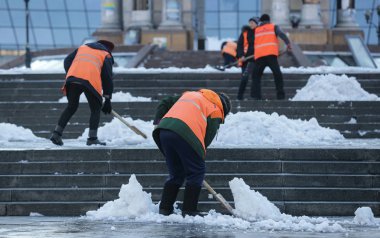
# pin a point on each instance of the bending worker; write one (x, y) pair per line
(186, 126)
(229, 52)
(89, 70)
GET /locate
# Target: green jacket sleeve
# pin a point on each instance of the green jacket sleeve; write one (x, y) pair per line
(211, 130)
(164, 107)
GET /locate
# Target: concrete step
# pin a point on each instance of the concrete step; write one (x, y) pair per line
(71, 182)
(142, 167)
(109, 194)
(230, 154)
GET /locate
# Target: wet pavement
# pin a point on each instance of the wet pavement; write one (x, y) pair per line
(27, 227)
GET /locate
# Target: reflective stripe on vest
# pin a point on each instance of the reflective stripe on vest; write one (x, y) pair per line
(230, 48)
(266, 42)
(87, 65)
(194, 109)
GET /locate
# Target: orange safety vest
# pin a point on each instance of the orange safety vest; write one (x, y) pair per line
(87, 65)
(245, 44)
(230, 48)
(194, 107)
(266, 42)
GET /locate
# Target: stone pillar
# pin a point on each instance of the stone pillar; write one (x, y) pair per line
(111, 15)
(310, 14)
(346, 14)
(171, 15)
(111, 22)
(280, 13)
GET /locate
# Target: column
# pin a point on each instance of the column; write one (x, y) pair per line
(280, 13)
(310, 14)
(111, 15)
(346, 14)
(171, 15)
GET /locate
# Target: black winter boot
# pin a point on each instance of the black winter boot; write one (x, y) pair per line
(190, 201)
(56, 138)
(169, 195)
(94, 141)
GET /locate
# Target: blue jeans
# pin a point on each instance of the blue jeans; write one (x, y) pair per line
(182, 160)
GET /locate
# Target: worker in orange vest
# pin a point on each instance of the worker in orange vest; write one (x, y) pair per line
(229, 52)
(89, 71)
(266, 53)
(185, 127)
(245, 49)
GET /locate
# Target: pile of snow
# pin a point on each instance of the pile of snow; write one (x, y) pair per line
(116, 97)
(252, 206)
(12, 133)
(332, 87)
(132, 202)
(117, 133)
(241, 130)
(364, 216)
(245, 129)
(47, 65)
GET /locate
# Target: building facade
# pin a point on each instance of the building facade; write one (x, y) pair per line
(184, 24)
(179, 24)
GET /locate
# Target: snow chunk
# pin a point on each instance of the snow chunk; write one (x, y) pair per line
(251, 205)
(332, 87)
(12, 133)
(352, 121)
(35, 214)
(364, 216)
(132, 202)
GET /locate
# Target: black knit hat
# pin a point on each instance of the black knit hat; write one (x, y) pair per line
(226, 102)
(254, 19)
(108, 44)
(265, 17)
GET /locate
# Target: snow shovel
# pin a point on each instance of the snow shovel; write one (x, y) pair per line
(219, 197)
(224, 67)
(133, 128)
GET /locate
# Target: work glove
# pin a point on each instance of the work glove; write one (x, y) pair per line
(289, 48)
(107, 108)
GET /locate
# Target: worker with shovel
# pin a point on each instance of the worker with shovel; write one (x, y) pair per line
(185, 127)
(266, 52)
(245, 50)
(89, 71)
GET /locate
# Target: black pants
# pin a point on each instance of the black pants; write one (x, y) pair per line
(258, 70)
(246, 70)
(74, 90)
(182, 160)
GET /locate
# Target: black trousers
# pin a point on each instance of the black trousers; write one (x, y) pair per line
(74, 90)
(258, 70)
(246, 70)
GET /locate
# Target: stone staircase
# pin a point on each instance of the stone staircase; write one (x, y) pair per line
(312, 182)
(301, 181)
